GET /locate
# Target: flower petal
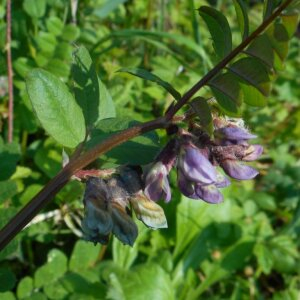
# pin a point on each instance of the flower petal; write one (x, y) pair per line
(222, 181)
(238, 171)
(234, 133)
(209, 193)
(186, 187)
(196, 167)
(253, 152)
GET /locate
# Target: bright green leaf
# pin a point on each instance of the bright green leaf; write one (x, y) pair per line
(70, 33)
(219, 29)
(25, 287)
(264, 258)
(84, 256)
(54, 25)
(152, 77)
(35, 9)
(56, 108)
(290, 22)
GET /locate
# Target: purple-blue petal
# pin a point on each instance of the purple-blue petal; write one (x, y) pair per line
(209, 193)
(253, 152)
(196, 167)
(234, 133)
(186, 187)
(222, 181)
(238, 170)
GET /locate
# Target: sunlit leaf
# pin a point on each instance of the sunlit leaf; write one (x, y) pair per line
(219, 29)
(56, 108)
(290, 22)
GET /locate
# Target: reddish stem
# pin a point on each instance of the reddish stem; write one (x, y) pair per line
(9, 73)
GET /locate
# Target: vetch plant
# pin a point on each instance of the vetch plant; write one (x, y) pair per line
(206, 139)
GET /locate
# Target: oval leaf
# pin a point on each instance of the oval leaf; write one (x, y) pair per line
(219, 29)
(56, 108)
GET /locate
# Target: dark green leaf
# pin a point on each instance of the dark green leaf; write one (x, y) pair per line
(8, 189)
(9, 156)
(91, 94)
(242, 17)
(35, 9)
(219, 29)
(290, 22)
(7, 280)
(152, 77)
(269, 6)
(140, 150)
(56, 108)
(227, 92)
(253, 73)
(262, 49)
(203, 111)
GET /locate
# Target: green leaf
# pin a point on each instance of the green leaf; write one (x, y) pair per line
(84, 256)
(203, 111)
(56, 108)
(269, 6)
(290, 22)
(227, 92)
(219, 29)
(140, 150)
(242, 17)
(147, 281)
(264, 258)
(91, 94)
(279, 39)
(7, 280)
(252, 72)
(252, 96)
(152, 77)
(48, 158)
(59, 68)
(9, 156)
(46, 43)
(35, 9)
(55, 268)
(7, 296)
(262, 49)
(8, 189)
(25, 287)
(54, 25)
(107, 8)
(70, 33)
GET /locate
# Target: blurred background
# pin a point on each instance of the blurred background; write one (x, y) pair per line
(245, 248)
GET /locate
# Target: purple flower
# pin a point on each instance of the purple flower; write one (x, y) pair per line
(195, 166)
(234, 133)
(186, 186)
(157, 184)
(253, 152)
(209, 193)
(238, 170)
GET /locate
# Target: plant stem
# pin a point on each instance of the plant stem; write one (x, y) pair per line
(9, 73)
(26, 214)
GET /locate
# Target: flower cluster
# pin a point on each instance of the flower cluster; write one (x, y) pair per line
(199, 161)
(108, 204)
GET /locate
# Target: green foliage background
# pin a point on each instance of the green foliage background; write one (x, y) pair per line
(245, 248)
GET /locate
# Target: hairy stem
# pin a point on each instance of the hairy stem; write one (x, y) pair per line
(51, 189)
(9, 73)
